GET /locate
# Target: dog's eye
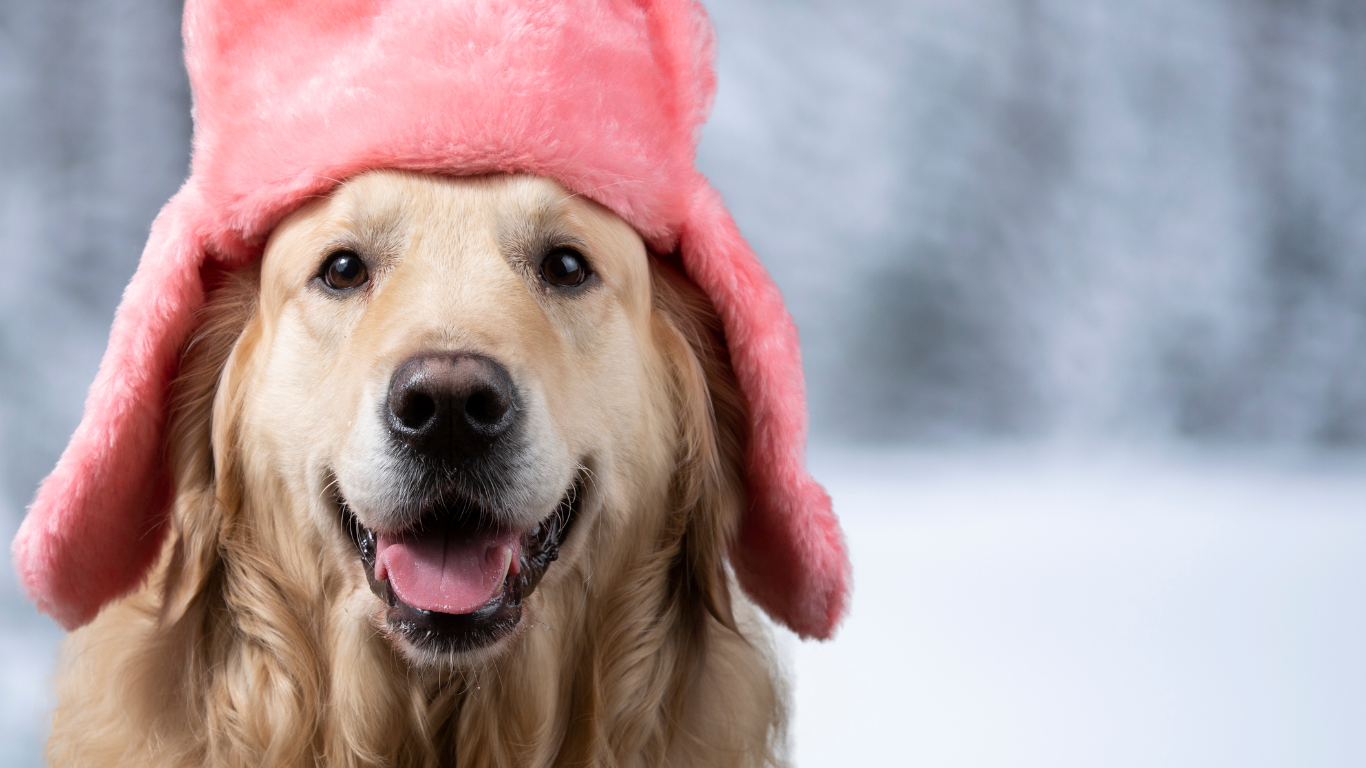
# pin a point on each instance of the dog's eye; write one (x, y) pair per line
(565, 267)
(344, 270)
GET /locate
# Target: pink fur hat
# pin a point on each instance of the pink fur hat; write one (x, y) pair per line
(607, 97)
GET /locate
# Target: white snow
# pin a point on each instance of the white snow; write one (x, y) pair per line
(1036, 609)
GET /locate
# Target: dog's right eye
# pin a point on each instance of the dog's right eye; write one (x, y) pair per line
(344, 270)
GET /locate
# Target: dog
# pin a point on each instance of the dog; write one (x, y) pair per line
(456, 466)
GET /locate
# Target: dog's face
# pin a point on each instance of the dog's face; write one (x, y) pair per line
(461, 379)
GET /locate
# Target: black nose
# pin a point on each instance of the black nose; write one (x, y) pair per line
(450, 406)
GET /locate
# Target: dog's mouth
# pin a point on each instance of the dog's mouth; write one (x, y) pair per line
(455, 580)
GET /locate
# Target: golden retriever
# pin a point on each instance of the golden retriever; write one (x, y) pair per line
(456, 467)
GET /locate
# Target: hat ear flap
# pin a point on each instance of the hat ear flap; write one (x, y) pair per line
(99, 519)
(789, 554)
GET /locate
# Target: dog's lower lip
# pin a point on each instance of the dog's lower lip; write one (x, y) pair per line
(494, 619)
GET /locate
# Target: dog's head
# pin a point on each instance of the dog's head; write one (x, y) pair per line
(457, 407)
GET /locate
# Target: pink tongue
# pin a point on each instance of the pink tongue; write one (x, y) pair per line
(446, 572)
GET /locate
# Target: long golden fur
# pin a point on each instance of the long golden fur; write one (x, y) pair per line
(257, 641)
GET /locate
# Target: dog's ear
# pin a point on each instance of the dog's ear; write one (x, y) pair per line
(199, 448)
(708, 490)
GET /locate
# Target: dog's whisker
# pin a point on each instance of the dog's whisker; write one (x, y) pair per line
(599, 188)
(570, 162)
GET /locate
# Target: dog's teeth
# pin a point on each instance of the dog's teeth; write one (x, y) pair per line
(507, 562)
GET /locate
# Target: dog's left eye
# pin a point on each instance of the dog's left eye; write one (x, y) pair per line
(344, 270)
(564, 266)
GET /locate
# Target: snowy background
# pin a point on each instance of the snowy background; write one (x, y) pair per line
(1082, 291)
